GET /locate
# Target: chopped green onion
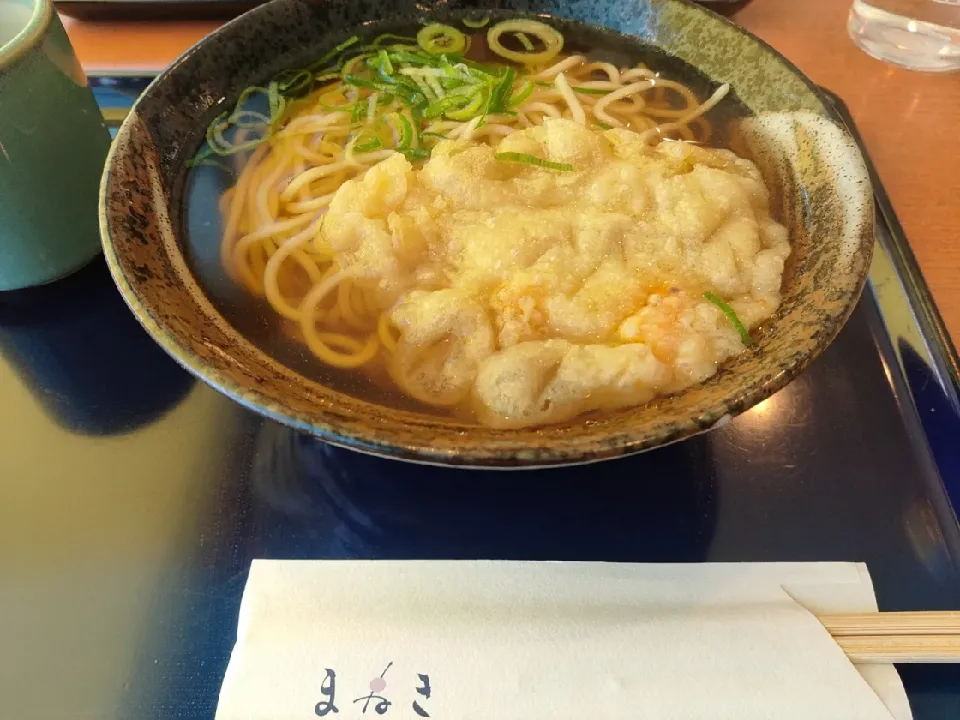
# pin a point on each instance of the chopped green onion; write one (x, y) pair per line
(502, 89)
(478, 74)
(381, 63)
(397, 82)
(525, 41)
(321, 79)
(336, 108)
(366, 84)
(248, 119)
(407, 91)
(435, 86)
(206, 156)
(248, 93)
(369, 145)
(524, 91)
(403, 129)
(358, 110)
(295, 82)
(423, 72)
(470, 110)
(478, 23)
(389, 48)
(437, 39)
(203, 155)
(379, 39)
(533, 160)
(354, 64)
(551, 39)
(337, 67)
(490, 70)
(220, 146)
(441, 107)
(424, 88)
(406, 132)
(359, 82)
(403, 83)
(604, 126)
(275, 102)
(731, 316)
(241, 114)
(414, 57)
(336, 51)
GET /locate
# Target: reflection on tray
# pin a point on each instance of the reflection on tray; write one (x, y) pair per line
(659, 505)
(83, 356)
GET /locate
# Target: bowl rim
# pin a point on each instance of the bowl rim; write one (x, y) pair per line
(504, 454)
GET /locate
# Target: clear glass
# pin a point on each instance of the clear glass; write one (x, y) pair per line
(915, 34)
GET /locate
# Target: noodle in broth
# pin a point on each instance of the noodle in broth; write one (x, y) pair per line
(347, 122)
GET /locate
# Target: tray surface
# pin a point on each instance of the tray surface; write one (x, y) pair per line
(143, 495)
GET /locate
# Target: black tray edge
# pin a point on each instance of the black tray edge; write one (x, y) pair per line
(934, 356)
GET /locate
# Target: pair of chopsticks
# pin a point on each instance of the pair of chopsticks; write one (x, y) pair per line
(897, 637)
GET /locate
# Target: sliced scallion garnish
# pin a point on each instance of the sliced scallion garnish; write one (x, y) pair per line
(498, 98)
(358, 110)
(406, 132)
(336, 51)
(395, 81)
(438, 39)
(470, 110)
(381, 39)
(525, 41)
(521, 94)
(474, 24)
(533, 160)
(450, 102)
(381, 63)
(249, 119)
(551, 39)
(369, 145)
(731, 316)
(295, 82)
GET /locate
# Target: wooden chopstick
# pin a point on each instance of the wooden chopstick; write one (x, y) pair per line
(894, 623)
(901, 648)
(901, 637)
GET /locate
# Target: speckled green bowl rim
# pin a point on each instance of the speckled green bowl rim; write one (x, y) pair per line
(503, 454)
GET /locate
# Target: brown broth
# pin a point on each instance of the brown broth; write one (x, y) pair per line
(256, 320)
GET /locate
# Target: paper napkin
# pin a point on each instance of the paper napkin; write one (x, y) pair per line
(525, 640)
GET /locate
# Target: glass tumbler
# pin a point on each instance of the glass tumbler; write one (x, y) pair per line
(914, 34)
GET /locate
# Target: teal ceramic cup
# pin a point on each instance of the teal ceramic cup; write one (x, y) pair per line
(53, 144)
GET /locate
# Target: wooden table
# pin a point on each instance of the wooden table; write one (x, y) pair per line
(909, 120)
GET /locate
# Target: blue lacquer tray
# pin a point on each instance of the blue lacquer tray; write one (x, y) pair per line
(149, 494)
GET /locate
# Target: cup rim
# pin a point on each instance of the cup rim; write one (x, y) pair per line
(29, 35)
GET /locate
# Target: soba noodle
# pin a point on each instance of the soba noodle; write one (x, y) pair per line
(273, 242)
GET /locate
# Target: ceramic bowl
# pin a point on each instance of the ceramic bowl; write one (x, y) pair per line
(822, 194)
